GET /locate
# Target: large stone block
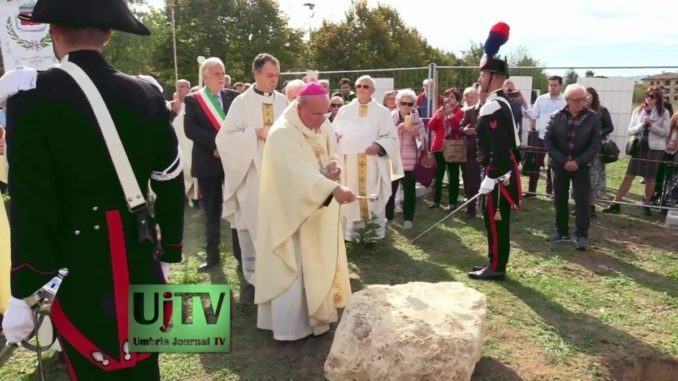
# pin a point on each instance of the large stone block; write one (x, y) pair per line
(413, 331)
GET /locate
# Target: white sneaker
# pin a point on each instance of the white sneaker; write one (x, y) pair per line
(408, 225)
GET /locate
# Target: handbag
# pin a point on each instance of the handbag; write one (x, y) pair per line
(425, 169)
(455, 151)
(609, 152)
(633, 147)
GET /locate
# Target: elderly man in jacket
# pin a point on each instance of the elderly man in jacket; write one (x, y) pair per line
(572, 140)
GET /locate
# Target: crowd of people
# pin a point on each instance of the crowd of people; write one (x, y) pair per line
(296, 174)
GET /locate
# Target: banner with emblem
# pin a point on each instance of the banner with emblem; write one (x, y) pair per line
(23, 43)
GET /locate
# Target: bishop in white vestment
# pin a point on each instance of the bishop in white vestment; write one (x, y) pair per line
(369, 147)
(301, 267)
(240, 143)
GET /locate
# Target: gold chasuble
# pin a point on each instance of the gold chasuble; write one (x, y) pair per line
(301, 257)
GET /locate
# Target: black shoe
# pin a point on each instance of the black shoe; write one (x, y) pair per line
(478, 268)
(487, 274)
(433, 206)
(612, 208)
(557, 237)
(593, 212)
(207, 266)
(647, 212)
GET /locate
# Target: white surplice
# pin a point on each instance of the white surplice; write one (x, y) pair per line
(241, 151)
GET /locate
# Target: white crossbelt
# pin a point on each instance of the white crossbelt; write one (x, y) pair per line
(123, 169)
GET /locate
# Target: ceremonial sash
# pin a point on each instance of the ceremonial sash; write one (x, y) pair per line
(209, 104)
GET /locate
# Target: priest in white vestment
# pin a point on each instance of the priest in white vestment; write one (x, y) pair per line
(240, 143)
(177, 110)
(301, 267)
(369, 147)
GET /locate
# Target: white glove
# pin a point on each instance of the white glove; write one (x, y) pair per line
(166, 267)
(18, 321)
(20, 79)
(487, 185)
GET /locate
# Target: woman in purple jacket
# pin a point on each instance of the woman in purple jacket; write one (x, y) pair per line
(411, 134)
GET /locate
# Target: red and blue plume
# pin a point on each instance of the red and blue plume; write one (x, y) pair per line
(499, 34)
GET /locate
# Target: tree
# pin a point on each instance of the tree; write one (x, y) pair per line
(370, 39)
(571, 76)
(589, 74)
(525, 65)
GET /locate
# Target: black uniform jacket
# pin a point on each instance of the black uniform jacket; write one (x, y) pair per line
(68, 209)
(497, 146)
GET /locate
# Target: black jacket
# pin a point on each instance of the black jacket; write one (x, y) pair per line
(67, 207)
(201, 131)
(586, 140)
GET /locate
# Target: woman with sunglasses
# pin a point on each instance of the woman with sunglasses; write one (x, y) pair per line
(410, 129)
(650, 125)
(335, 104)
(445, 125)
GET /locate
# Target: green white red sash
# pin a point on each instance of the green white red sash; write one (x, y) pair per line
(210, 105)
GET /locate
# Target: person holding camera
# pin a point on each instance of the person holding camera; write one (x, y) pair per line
(649, 127)
(445, 125)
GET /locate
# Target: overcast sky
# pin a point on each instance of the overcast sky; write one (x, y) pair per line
(565, 33)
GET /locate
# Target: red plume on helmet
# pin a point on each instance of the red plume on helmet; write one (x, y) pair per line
(498, 36)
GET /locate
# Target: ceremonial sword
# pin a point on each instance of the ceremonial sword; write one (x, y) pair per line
(447, 216)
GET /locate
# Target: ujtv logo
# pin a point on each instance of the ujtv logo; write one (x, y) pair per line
(180, 318)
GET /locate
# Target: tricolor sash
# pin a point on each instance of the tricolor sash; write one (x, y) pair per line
(209, 104)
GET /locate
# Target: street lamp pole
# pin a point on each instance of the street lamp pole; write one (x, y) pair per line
(310, 6)
(170, 4)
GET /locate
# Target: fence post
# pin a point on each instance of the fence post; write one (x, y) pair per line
(433, 77)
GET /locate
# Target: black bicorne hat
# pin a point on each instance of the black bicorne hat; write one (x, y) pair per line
(106, 14)
(495, 65)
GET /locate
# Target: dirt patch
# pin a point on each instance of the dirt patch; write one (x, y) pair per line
(649, 369)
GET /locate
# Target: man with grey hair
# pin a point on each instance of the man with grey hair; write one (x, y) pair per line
(293, 88)
(241, 143)
(205, 113)
(572, 140)
(371, 150)
(425, 100)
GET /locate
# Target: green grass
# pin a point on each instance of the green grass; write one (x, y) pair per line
(561, 314)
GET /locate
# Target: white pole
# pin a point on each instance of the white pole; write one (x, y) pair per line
(174, 40)
(200, 61)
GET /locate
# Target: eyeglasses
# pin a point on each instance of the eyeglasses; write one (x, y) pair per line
(408, 104)
(577, 100)
(362, 86)
(390, 99)
(335, 105)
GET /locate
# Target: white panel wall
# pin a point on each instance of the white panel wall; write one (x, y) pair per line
(524, 84)
(383, 86)
(616, 94)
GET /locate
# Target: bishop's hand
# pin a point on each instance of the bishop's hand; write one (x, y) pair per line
(343, 195)
(333, 170)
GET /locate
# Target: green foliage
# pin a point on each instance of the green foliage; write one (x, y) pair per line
(571, 76)
(233, 30)
(371, 38)
(367, 234)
